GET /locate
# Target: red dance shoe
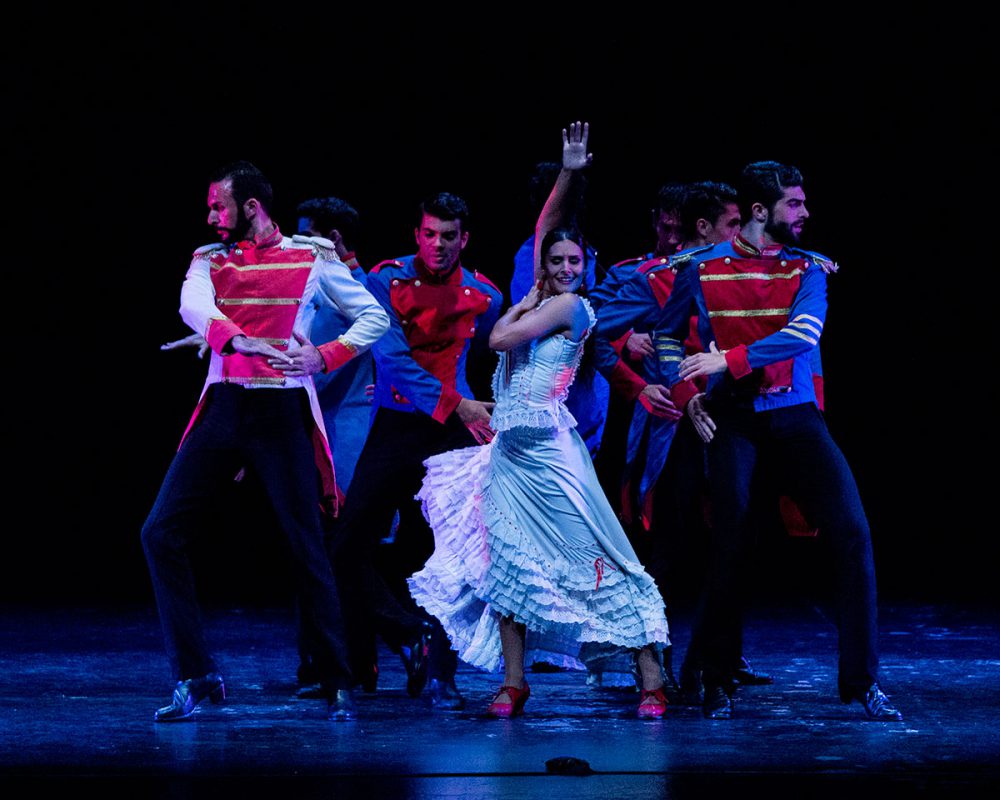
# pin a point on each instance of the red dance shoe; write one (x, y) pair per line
(518, 697)
(652, 710)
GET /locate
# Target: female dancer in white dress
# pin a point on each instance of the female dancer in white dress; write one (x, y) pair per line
(529, 555)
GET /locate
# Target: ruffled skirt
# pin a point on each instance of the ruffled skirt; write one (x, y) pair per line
(523, 529)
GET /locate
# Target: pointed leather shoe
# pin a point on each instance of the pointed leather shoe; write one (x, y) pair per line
(877, 706)
(717, 703)
(692, 693)
(445, 695)
(746, 675)
(188, 694)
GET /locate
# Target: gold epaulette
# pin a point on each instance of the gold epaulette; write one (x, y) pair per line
(828, 265)
(207, 250)
(322, 248)
(681, 259)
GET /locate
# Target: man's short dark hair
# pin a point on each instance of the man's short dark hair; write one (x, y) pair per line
(704, 200)
(446, 207)
(765, 182)
(248, 181)
(670, 198)
(332, 213)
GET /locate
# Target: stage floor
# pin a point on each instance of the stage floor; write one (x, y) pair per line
(79, 688)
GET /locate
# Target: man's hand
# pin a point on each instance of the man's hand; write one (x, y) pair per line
(194, 340)
(704, 425)
(639, 345)
(575, 155)
(247, 346)
(301, 360)
(475, 414)
(710, 363)
(656, 400)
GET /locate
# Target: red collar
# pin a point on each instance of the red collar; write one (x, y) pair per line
(453, 278)
(271, 240)
(769, 251)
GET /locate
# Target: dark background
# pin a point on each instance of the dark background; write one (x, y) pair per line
(116, 120)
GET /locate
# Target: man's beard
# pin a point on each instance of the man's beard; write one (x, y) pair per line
(781, 232)
(240, 231)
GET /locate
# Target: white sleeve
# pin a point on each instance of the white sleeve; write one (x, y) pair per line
(341, 289)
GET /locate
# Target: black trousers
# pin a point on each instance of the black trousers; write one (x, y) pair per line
(267, 430)
(386, 479)
(677, 549)
(796, 442)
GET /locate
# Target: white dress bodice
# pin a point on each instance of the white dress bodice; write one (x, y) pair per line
(532, 381)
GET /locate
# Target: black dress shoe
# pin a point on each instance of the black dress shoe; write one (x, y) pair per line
(414, 655)
(445, 695)
(718, 704)
(188, 694)
(692, 693)
(745, 675)
(341, 708)
(671, 688)
(877, 705)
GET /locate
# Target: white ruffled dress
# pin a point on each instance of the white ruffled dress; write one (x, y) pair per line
(522, 528)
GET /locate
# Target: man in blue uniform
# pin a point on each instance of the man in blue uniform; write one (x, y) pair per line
(627, 374)
(423, 406)
(342, 396)
(761, 307)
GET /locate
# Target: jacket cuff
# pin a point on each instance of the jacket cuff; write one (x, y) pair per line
(619, 343)
(336, 353)
(447, 403)
(681, 393)
(220, 332)
(738, 361)
(625, 381)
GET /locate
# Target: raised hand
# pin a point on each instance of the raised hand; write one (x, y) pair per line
(301, 360)
(575, 155)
